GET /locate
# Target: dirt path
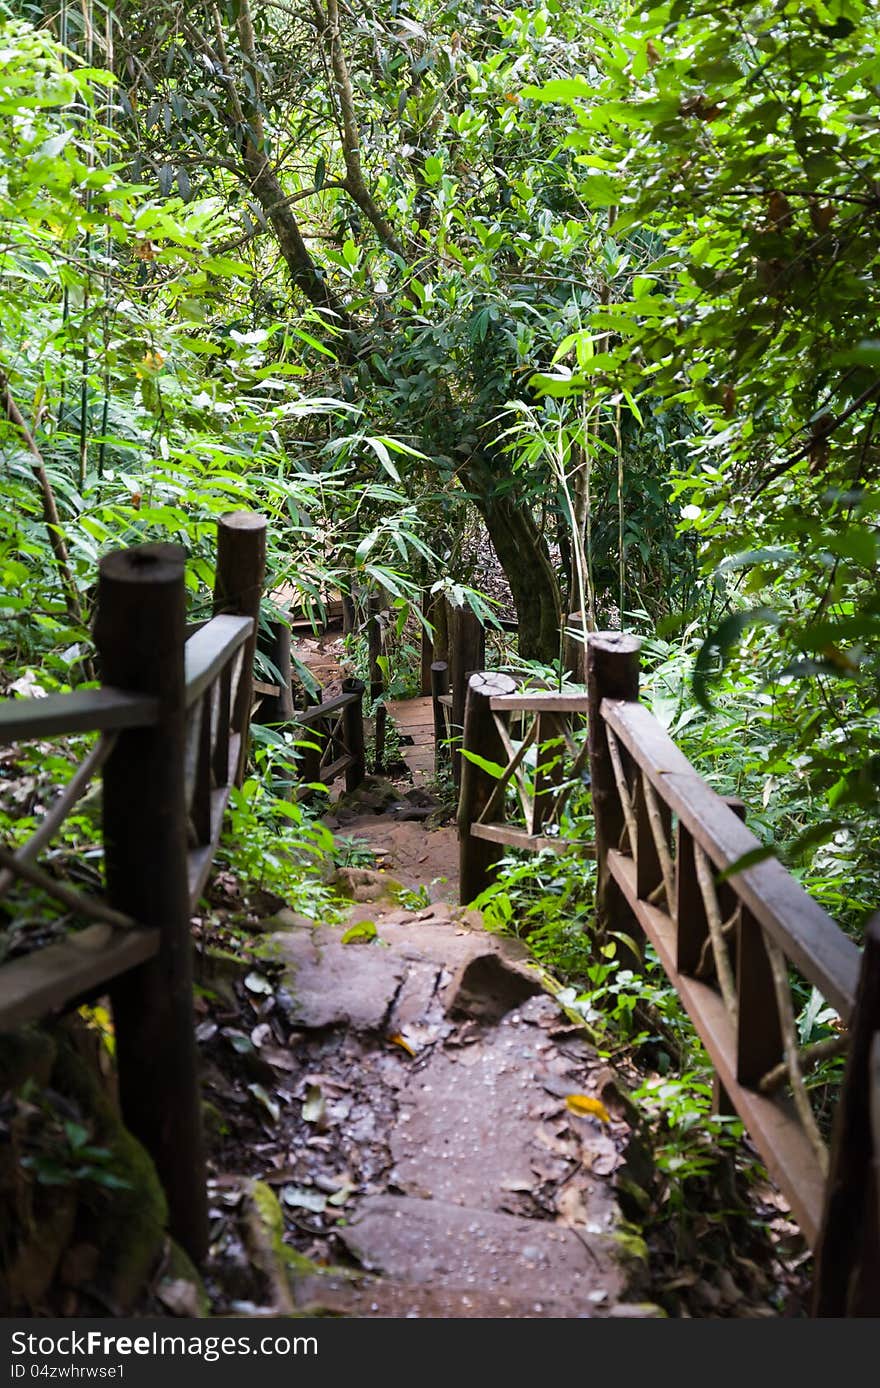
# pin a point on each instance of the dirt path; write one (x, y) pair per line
(428, 1082)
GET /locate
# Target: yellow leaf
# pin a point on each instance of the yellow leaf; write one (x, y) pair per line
(402, 1043)
(583, 1105)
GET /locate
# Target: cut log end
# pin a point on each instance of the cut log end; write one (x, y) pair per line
(242, 520)
(148, 564)
(491, 684)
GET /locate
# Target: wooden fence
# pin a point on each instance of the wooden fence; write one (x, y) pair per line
(662, 839)
(173, 715)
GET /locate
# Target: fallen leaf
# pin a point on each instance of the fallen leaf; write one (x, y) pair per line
(585, 1107)
(261, 1034)
(340, 1196)
(280, 1060)
(304, 1199)
(604, 1163)
(264, 1098)
(402, 1042)
(314, 1109)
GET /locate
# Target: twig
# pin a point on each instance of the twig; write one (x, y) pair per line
(81, 905)
(55, 817)
(50, 508)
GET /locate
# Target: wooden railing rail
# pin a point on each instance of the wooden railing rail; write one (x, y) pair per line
(332, 740)
(531, 736)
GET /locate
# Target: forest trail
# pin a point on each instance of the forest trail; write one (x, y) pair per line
(440, 1066)
(434, 1065)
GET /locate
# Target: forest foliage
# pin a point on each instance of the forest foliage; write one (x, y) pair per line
(596, 285)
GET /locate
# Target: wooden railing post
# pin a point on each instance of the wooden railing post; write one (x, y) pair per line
(847, 1260)
(377, 680)
(477, 857)
(276, 647)
(467, 655)
(549, 772)
(612, 673)
(573, 650)
(353, 730)
(238, 587)
(439, 686)
(427, 643)
(140, 638)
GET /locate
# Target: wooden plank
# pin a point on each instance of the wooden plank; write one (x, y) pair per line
(199, 860)
(206, 653)
(516, 837)
(772, 1124)
(813, 942)
(316, 712)
(336, 768)
(83, 711)
(49, 979)
(540, 702)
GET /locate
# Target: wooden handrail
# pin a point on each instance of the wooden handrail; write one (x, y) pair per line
(540, 701)
(82, 711)
(319, 711)
(210, 649)
(808, 936)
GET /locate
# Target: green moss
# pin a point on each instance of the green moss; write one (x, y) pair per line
(630, 1243)
(128, 1225)
(270, 1213)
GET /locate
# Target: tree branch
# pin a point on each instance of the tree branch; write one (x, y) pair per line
(51, 517)
(818, 435)
(355, 184)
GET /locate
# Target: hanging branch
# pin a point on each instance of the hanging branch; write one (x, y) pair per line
(50, 508)
(265, 183)
(355, 184)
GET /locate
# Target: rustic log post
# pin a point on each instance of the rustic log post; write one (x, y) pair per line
(439, 686)
(612, 673)
(847, 1259)
(477, 857)
(377, 681)
(427, 644)
(440, 619)
(549, 771)
(238, 586)
(140, 637)
(467, 649)
(310, 755)
(573, 650)
(353, 730)
(348, 608)
(275, 645)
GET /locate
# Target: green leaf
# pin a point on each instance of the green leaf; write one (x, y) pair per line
(364, 930)
(718, 647)
(491, 768)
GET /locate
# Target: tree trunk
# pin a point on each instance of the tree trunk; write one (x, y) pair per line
(523, 555)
